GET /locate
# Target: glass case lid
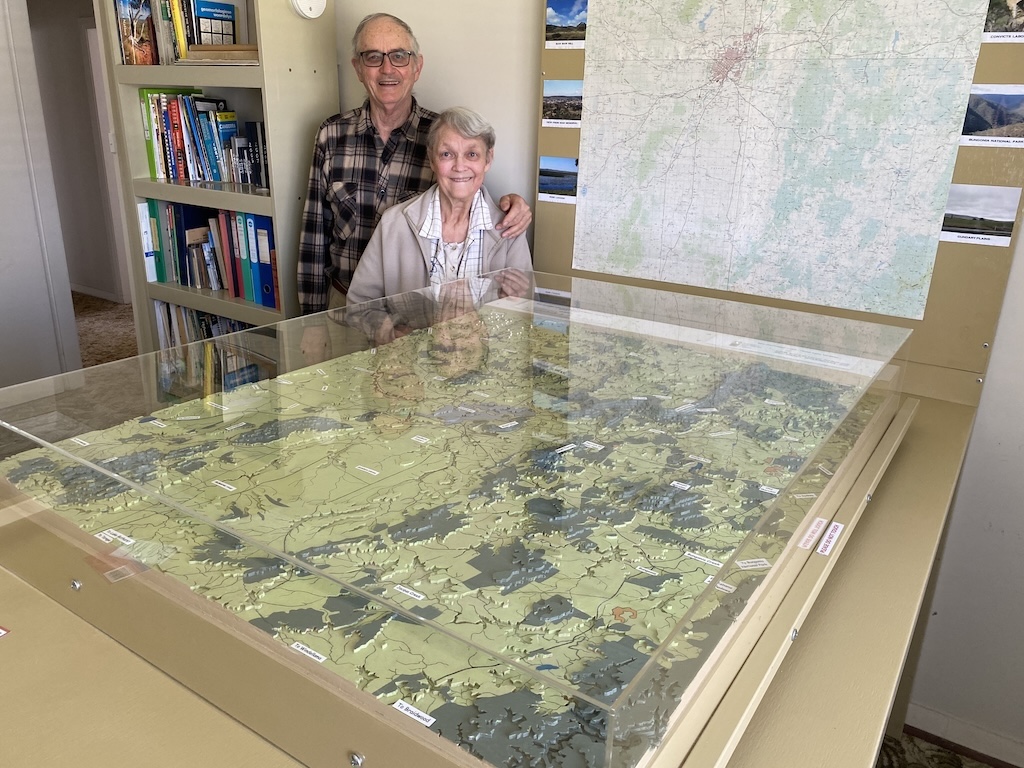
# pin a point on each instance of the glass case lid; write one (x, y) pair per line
(573, 491)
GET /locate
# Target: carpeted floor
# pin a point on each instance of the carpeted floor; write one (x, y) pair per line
(106, 330)
(909, 751)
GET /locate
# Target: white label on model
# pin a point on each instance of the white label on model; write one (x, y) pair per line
(415, 714)
(702, 559)
(812, 533)
(110, 535)
(829, 540)
(754, 565)
(409, 592)
(305, 650)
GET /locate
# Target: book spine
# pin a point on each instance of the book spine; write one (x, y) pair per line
(159, 240)
(243, 252)
(177, 140)
(196, 135)
(209, 145)
(218, 253)
(227, 249)
(254, 258)
(170, 241)
(188, 12)
(178, 19)
(164, 27)
(192, 166)
(149, 134)
(146, 234)
(265, 246)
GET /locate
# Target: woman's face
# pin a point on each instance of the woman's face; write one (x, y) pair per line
(459, 165)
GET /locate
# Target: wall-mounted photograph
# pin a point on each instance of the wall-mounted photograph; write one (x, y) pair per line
(557, 180)
(1004, 22)
(995, 116)
(566, 24)
(563, 104)
(980, 215)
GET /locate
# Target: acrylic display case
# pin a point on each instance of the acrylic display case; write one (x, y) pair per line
(535, 530)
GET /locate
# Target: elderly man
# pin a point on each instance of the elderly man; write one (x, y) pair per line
(365, 161)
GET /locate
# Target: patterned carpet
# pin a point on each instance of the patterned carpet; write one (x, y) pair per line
(912, 752)
(106, 330)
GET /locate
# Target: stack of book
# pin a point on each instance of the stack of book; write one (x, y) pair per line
(212, 249)
(199, 356)
(195, 138)
(170, 31)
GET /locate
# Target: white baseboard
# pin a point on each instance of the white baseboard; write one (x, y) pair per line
(96, 293)
(966, 734)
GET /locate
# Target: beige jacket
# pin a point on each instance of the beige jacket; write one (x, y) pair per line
(397, 259)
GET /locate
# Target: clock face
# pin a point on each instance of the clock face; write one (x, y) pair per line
(309, 9)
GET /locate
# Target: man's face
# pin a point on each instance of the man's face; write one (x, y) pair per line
(387, 86)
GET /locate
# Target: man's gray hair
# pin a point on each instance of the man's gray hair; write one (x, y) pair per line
(465, 122)
(375, 17)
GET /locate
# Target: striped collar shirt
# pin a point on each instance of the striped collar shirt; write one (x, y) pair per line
(354, 177)
(466, 260)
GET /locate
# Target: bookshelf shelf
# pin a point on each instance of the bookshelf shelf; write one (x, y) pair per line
(214, 302)
(208, 194)
(227, 75)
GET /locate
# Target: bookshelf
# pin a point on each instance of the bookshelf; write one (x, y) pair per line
(291, 89)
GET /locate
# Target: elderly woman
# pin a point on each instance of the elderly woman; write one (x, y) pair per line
(447, 233)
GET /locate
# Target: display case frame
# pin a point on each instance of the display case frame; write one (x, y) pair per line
(226, 660)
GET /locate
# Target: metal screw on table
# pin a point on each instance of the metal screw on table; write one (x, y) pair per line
(795, 633)
(356, 760)
(76, 584)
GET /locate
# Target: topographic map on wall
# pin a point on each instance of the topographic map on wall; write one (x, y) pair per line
(799, 151)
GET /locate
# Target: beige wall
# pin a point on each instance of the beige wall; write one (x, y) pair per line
(37, 330)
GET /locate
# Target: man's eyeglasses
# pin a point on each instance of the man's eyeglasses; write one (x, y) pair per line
(399, 58)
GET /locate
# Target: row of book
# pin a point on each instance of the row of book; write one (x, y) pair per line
(192, 137)
(168, 31)
(222, 362)
(218, 250)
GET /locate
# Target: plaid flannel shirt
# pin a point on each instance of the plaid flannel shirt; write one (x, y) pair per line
(353, 179)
